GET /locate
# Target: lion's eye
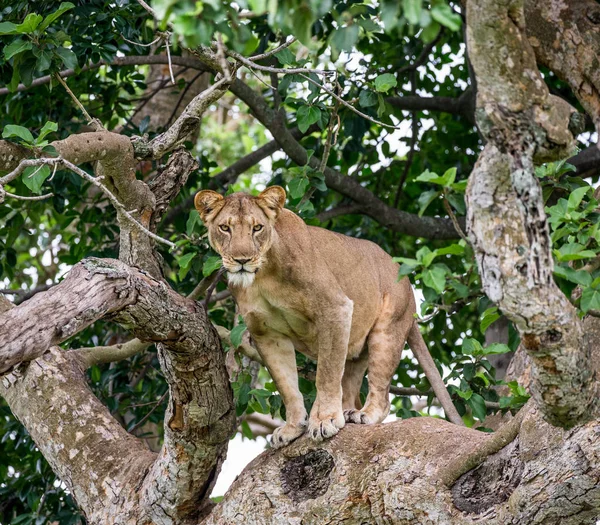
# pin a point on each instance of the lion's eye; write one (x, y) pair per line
(258, 227)
(224, 227)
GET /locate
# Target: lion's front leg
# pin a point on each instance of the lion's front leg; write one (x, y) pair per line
(333, 333)
(278, 354)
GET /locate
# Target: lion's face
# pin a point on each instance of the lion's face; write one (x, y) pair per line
(240, 229)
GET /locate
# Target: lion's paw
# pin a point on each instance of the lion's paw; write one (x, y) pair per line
(285, 434)
(358, 417)
(324, 429)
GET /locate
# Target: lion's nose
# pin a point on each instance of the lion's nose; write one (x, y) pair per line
(242, 261)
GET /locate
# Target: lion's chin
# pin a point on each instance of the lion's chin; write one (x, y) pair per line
(243, 279)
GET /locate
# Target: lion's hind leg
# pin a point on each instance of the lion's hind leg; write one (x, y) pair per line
(385, 344)
(354, 372)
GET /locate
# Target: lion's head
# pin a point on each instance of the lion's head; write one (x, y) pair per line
(241, 228)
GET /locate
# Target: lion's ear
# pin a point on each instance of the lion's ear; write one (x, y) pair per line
(206, 202)
(272, 200)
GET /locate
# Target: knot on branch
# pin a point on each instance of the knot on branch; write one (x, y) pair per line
(307, 476)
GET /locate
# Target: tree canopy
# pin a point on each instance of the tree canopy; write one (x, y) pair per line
(364, 111)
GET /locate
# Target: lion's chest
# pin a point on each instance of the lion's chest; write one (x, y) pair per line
(264, 314)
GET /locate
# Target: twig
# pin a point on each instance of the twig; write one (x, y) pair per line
(331, 137)
(23, 198)
(143, 45)
(145, 418)
(453, 217)
(222, 58)
(348, 105)
(116, 203)
(95, 181)
(89, 119)
(182, 96)
(212, 286)
(167, 46)
(420, 60)
(284, 71)
(256, 58)
(147, 7)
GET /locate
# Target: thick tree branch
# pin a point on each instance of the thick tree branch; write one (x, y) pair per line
(200, 417)
(463, 105)
(506, 220)
(100, 463)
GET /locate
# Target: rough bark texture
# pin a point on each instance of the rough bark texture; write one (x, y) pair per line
(566, 38)
(390, 474)
(200, 417)
(506, 219)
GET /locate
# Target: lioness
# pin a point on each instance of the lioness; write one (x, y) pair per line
(334, 298)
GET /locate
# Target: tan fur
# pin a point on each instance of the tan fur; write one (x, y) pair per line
(331, 297)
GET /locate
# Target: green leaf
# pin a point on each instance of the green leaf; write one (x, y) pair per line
(385, 82)
(443, 14)
(237, 333)
(62, 8)
(577, 196)
(489, 316)
(34, 176)
(16, 47)
(430, 32)
(412, 10)
(435, 277)
(453, 249)
(12, 130)
(185, 260)
(68, 58)
(590, 300)
(343, 39)
(193, 219)
(477, 404)
(212, 264)
(8, 28)
(367, 98)
(307, 115)
(573, 251)
(298, 186)
(285, 57)
(30, 23)
(466, 395)
(446, 180)
(48, 127)
(495, 349)
(472, 347)
(575, 276)
(426, 198)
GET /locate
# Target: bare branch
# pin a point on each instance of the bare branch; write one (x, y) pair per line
(109, 354)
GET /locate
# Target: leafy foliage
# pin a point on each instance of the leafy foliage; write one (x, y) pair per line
(376, 52)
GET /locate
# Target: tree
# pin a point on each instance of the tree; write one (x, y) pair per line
(116, 384)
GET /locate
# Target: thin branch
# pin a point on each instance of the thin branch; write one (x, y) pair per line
(91, 121)
(256, 58)
(284, 71)
(220, 272)
(147, 7)
(110, 354)
(145, 418)
(116, 203)
(344, 209)
(348, 105)
(23, 198)
(422, 58)
(453, 218)
(168, 48)
(94, 180)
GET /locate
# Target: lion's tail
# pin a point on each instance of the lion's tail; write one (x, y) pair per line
(419, 348)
